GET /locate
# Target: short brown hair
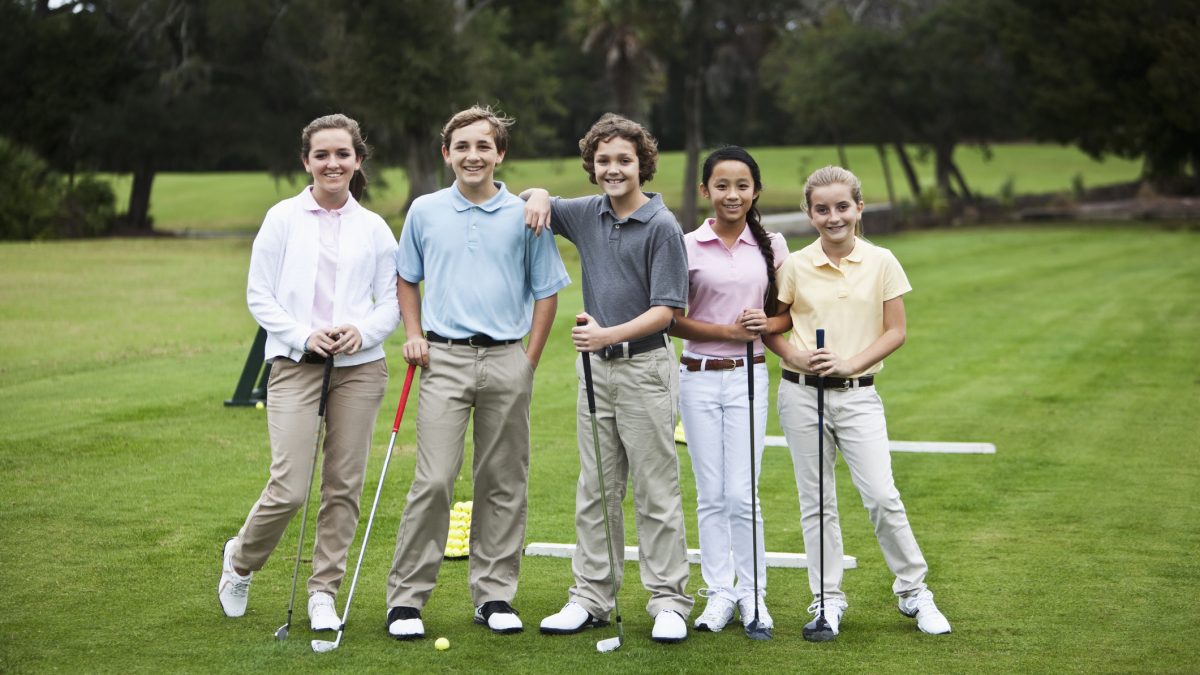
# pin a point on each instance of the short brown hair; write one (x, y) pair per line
(499, 121)
(611, 126)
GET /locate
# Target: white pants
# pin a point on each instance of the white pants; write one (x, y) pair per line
(855, 423)
(715, 408)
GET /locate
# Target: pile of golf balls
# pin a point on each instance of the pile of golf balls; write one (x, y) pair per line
(458, 544)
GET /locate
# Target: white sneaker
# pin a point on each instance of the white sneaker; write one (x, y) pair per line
(718, 612)
(834, 609)
(233, 590)
(929, 619)
(669, 626)
(404, 623)
(499, 616)
(321, 612)
(570, 619)
(746, 609)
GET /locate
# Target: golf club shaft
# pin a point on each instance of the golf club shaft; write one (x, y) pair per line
(612, 563)
(753, 473)
(408, 378)
(311, 472)
(821, 470)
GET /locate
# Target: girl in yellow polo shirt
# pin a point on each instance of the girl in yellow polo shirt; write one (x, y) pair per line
(854, 291)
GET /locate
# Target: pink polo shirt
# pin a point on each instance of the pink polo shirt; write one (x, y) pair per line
(329, 226)
(724, 281)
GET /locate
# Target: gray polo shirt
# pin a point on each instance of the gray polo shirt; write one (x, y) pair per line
(628, 265)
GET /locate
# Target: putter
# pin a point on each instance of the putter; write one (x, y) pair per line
(322, 646)
(754, 629)
(282, 633)
(819, 630)
(607, 644)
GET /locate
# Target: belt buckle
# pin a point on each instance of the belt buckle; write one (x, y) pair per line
(846, 385)
(733, 364)
(471, 342)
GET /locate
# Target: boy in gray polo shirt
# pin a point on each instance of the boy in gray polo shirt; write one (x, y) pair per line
(634, 278)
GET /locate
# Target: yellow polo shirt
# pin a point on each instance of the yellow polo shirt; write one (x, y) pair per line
(846, 301)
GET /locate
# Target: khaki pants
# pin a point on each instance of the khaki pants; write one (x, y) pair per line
(294, 393)
(498, 383)
(635, 419)
(854, 422)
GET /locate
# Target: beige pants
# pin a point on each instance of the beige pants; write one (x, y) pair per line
(635, 418)
(497, 382)
(854, 422)
(294, 394)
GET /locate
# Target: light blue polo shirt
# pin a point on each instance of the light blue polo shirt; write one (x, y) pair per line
(482, 267)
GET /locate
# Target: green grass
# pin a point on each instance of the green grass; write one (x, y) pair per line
(1072, 348)
(238, 201)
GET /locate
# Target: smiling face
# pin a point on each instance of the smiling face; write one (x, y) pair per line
(730, 188)
(615, 167)
(834, 213)
(332, 161)
(473, 156)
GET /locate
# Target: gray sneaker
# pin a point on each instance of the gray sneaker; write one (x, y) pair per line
(233, 590)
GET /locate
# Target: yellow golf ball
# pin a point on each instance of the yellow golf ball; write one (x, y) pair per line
(259, 405)
(441, 644)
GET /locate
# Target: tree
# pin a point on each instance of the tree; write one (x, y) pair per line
(1113, 77)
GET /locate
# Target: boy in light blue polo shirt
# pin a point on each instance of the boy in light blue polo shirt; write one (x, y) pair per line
(489, 282)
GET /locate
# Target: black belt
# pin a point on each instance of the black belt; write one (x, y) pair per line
(313, 357)
(830, 382)
(624, 350)
(473, 341)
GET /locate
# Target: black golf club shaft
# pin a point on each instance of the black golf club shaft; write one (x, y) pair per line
(612, 562)
(821, 470)
(282, 632)
(753, 474)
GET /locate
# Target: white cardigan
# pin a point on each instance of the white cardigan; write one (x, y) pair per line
(283, 276)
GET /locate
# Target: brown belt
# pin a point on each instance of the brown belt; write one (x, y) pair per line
(717, 364)
(830, 382)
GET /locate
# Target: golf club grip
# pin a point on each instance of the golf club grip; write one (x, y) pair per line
(750, 369)
(820, 338)
(325, 385)
(587, 373)
(408, 378)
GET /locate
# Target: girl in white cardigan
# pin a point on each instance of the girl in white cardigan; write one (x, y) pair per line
(322, 284)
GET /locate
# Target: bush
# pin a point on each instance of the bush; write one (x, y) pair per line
(38, 203)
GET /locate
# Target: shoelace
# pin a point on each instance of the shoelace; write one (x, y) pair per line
(924, 602)
(240, 589)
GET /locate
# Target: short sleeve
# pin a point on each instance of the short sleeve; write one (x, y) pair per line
(895, 281)
(410, 262)
(785, 278)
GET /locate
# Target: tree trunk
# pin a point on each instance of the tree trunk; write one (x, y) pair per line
(689, 219)
(909, 172)
(943, 158)
(962, 183)
(887, 172)
(422, 165)
(138, 216)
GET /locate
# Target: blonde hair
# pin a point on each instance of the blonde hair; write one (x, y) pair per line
(834, 175)
(358, 182)
(498, 120)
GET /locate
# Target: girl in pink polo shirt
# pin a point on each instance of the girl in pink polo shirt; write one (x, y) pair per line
(731, 279)
(853, 290)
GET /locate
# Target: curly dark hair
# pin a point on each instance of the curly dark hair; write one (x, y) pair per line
(609, 127)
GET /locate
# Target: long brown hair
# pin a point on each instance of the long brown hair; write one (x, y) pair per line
(753, 218)
(358, 182)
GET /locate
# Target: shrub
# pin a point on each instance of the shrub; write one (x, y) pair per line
(38, 203)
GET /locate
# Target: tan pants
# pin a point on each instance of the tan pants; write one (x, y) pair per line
(294, 394)
(497, 382)
(635, 418)
(854, 423)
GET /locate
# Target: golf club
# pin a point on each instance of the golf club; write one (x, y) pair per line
(608, 644)
(282, 633)
(819, 630)
(754, 629)
(322, 646)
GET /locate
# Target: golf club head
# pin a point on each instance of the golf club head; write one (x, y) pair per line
(607, 645)
(322, 646)
(282, 633)
(757, 631)
(818, 630)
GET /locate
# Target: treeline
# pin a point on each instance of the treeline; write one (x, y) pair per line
(140, 87)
